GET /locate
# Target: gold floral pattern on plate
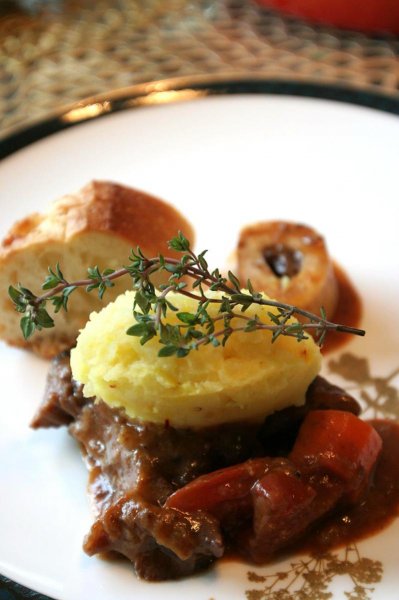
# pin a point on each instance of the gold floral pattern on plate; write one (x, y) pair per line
(309, 578)
(378, 395)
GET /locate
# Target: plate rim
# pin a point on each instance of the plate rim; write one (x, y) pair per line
(170, 91)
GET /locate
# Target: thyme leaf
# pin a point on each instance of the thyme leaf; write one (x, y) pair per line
(192, 329)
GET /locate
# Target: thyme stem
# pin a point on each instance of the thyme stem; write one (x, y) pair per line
(195, 329)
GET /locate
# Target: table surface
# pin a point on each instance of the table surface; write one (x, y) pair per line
(54, 52)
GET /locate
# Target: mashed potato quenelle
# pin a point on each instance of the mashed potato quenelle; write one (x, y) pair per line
(246, 380)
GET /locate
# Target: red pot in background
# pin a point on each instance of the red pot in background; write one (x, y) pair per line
(366, 15)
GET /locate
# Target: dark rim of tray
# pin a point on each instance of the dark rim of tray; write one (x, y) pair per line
(188, 89)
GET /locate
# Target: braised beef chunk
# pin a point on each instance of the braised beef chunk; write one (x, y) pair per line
(334, 457)
(323, 395)
(161, 543)
(63, 396)
(135, 468)
(150, 459)
(275, 501)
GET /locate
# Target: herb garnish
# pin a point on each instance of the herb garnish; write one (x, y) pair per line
(196, 328)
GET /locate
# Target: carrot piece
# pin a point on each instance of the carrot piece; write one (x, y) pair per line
(337, 442)
(210, 491)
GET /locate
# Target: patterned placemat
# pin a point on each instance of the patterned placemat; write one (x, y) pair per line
(54, 52)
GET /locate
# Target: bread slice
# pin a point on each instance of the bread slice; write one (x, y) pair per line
(289, 262)
(96, 226)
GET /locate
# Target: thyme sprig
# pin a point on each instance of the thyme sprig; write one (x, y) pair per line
(151, 306)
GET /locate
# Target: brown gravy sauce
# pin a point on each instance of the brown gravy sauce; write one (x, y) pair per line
(348, 311)
(379, 508)
(375, 513)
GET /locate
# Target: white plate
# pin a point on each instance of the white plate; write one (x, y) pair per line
(224, 161)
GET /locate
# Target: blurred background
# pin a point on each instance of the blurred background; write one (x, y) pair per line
(56, 52)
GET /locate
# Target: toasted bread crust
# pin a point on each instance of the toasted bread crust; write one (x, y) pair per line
(101, 220)
(102, 206)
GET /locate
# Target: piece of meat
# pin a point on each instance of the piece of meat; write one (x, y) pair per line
(335, 454)
(323, 395)
(63, 397)
(283, 506)
(161, 543)
(135, 467)
(276, 501)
